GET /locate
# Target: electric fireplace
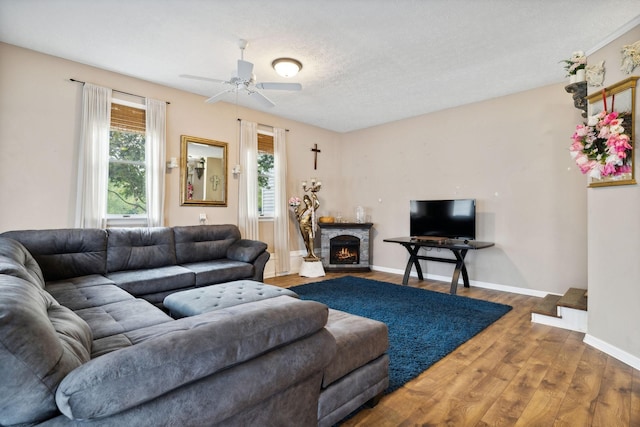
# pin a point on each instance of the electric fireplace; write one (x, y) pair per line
(345, 246)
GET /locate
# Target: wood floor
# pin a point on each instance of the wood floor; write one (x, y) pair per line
(514, 373)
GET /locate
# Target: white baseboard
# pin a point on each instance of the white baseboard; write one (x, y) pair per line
(485, 285)
(296, 261)
(613, 351)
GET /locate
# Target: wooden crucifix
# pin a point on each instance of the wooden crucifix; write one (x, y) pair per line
(315, 155)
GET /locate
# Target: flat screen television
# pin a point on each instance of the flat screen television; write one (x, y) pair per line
(452, 219)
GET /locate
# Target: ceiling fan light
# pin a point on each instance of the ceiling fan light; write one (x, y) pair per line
(286, 67)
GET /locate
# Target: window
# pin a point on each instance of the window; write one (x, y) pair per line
(126, 196)
(266, 176)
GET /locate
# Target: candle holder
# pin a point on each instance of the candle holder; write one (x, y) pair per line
(313, 188)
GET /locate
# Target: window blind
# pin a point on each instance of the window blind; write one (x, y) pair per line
(128, 119)
(265, 143)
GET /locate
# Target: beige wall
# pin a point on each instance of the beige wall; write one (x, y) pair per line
(510, 153)
(39, 127)
(614, 238)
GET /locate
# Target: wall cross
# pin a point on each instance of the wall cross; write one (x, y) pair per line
(315, 155)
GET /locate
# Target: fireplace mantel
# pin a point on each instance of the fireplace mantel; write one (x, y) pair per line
(362, 231)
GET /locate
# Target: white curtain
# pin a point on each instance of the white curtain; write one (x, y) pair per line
(93, 158)
(248, 194)
(281, 225)
(155, 160)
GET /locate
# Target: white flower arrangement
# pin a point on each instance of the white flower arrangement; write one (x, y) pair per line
(630, 57)
(578, 61)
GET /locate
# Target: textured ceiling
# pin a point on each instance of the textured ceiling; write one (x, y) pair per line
(365, 62)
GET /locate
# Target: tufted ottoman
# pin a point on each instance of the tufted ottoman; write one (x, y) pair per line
(215, 297)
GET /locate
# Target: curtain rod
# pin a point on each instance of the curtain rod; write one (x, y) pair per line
(116, 90)
(262, 124)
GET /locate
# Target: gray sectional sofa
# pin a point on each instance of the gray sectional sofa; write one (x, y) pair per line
(84, 339)
(148, 263)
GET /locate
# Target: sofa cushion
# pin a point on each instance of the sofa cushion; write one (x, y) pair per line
(78, 297)
(219, 271)
(65, 253)
(246, 250)
(16, 260)
(78, 282)
(140, 248)
(279, 388)
(40, 343)
(204, 242)
(359, 340)
(122, 316)
(153, 280)
(168, 356)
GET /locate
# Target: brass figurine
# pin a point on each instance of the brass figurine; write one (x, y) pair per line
(306, 216)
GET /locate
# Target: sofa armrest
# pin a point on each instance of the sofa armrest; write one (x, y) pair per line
(207, 344)
(246, 250)
(259, 265)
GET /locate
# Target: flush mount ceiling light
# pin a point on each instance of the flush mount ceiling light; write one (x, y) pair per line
(286, 67)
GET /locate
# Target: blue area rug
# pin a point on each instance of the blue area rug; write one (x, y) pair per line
(424, 326)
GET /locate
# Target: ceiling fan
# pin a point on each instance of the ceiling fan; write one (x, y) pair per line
(245, 81)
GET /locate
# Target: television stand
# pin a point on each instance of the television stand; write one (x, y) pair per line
(458, 247)
(431, 239)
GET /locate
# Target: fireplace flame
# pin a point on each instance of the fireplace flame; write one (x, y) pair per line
(345, 254)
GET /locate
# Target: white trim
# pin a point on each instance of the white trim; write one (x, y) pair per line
(120, 101)
(265, 129)
(570, 318)
(127, 220)
(611, 37)
(613, 351)
(485, 285)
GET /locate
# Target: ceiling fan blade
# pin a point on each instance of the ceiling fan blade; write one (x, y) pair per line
(279, 86)
(215, 97)
(206, 79)
(245, 69)
(261, 98)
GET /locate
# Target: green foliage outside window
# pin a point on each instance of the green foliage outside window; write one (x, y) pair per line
(265, 169)
(126, 191)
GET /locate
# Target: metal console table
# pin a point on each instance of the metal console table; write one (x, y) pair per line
(458, 247)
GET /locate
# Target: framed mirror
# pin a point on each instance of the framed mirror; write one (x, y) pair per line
(203, 172)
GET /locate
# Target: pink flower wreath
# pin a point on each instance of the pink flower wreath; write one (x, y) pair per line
(600, 147)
